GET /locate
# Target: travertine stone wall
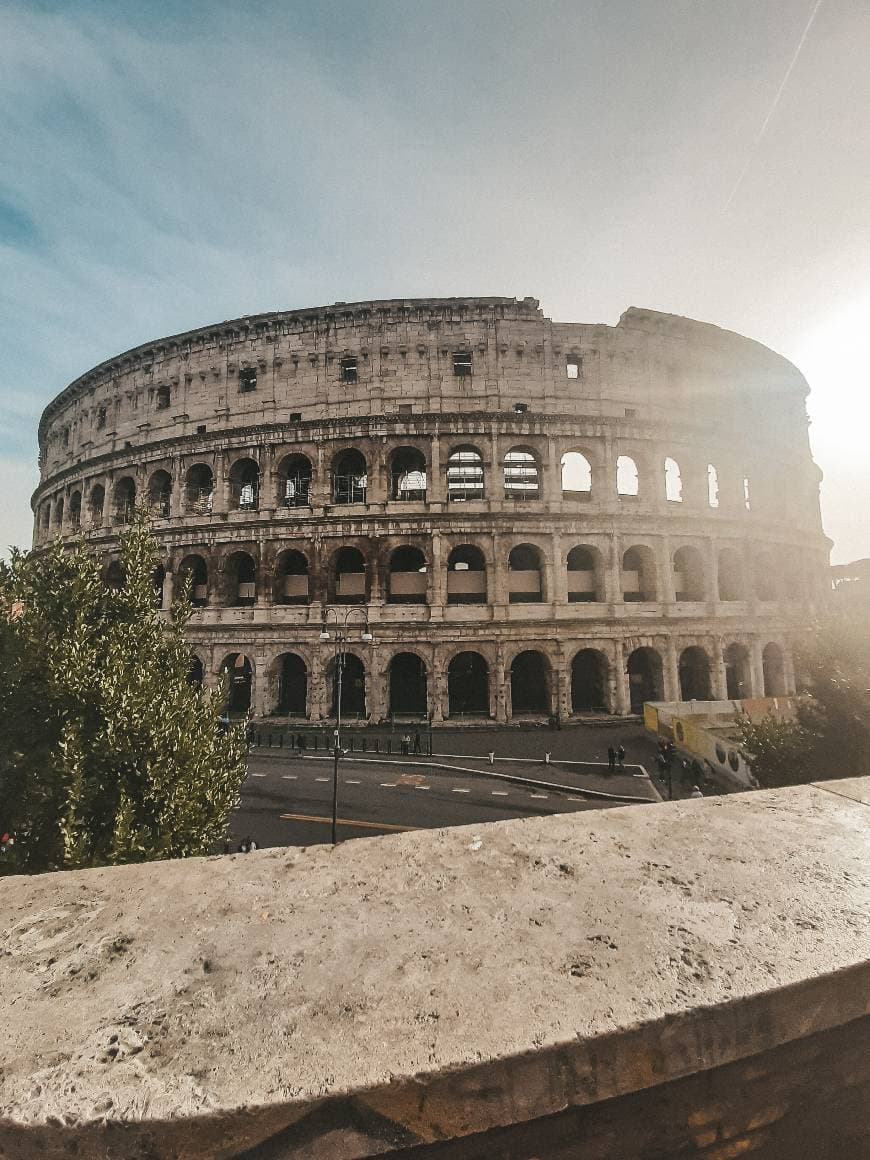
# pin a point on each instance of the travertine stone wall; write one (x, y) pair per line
(690, 980)
(660, 575)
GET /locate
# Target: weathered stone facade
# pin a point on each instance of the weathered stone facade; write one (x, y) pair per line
(597, 514)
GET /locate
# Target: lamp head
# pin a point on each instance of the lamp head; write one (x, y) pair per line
(324, 635)
(366, 637)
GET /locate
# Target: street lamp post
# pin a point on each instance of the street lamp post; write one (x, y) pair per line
(339, 640)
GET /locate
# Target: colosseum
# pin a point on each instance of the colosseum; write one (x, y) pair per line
(505, 517)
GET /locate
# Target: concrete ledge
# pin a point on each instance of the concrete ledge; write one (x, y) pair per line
(428, 986)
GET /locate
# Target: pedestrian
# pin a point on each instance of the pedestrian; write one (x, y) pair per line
(406, 744)
(620, 756)
(247, 845)
(418, 745)
(611, 759)
(300, 742)
(696, 792)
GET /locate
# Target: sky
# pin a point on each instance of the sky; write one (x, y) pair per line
(166, 165)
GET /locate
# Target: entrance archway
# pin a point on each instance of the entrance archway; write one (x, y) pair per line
(530, 683)
(738, 678)
(588, 681)
(408, 686)
(694, 674)
(644, 677)
(353, 687)
(241, 678)
(468, 686)
(292, 685)
(774, 670)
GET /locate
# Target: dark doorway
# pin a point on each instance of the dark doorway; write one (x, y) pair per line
(588, 672)
(644, 677)
(530, 684)
(694, 674)
(468, 686)
(407, 686)
(292, 685)
(353, 687)
(240, 673)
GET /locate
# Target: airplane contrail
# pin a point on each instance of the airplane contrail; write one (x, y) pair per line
(773, 106)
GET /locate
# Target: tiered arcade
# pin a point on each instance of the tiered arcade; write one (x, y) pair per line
(537, 518)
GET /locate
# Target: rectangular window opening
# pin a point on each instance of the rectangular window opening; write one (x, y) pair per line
(248, 379)
(349, 369)
(294, 417)
(572, 366)
(462, 364)
(163, 398)
(201, 429)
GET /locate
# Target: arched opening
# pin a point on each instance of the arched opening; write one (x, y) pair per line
(294, 482)
(644, 678)
(468, 686)
(408, 685)
(738, 675)
(241, 580)
(291, 578)
(521, 476)
(240, 674)
(96, 504)
(196, 673)
(407, 576)
(627, 479)
(292, 685)
(731, 586)
(530, 683)
(349, 477)
(58, 514)
(639, 575)
(115, 575)
(589, 681)
(774, 670)
(75, 510)
(158, 577)
(689, 574)
(765, 571)
(408, 474)
(244, 485)
(353, 685)
(673, 481)
(350, 576)
(694, 671)
(125, 500)
(199, 489)
(464, 475)
(196, 568)
(160, 494)
(584, 575)
(712, 486)
(45, 516)
(466, 575)
(576, 476)
(525, 584)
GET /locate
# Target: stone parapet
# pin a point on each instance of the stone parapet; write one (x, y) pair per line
(691, 980)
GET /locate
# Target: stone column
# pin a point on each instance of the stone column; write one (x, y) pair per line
(176, 502)
(320, 490)
(557, 577)
(267, 499)
(376, 691)
(552, 491)
(559, 707)
(438, 579)
(717, 671)
(665, 565)
(107, 502)
(498, 582)
(788, 674)
(756, 668)
(613, 571)
(436, 481)
(499, 691)
(713, 572)
(221, 486)
(168, 589)
(440, 698)
(671, 672)
(621, 701)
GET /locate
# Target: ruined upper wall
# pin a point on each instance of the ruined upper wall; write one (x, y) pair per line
(652, 365)
(454, 985)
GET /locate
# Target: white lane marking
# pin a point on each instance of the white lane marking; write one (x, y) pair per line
(258, 775)
(543, 796)
(389, 784)
(499, 792)
(289, 777)
(350, 781)
(422, 787)
(455, 790)
(322, 779)
(576, 799)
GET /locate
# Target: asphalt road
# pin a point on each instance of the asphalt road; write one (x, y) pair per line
(287, 800)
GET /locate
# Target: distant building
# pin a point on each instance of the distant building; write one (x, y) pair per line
(538, 518)
(851, 583)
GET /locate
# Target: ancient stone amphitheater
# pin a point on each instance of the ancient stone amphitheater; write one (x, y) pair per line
(529, 518)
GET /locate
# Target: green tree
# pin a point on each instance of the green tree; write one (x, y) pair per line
(829, 736)
(107, 753)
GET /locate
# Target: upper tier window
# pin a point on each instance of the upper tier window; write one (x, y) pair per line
(462, 364)
(248, 379)
(349, 370)
(163, 397)
(572, 366)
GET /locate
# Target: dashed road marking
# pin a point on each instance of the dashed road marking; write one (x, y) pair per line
(499, 792)
(422, 787)
(457, 790)
(350, 781)
(289, 777)
(258, 775)
(322, 779)
(345, 822)
(542, 796)
(388, 784)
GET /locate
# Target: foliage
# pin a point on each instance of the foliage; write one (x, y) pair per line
(830, 734)
(107, 753)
